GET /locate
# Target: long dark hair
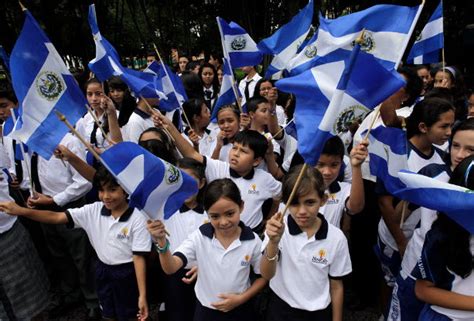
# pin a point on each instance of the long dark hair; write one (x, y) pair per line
(455, 247)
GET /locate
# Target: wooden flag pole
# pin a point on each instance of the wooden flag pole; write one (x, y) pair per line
(74, 131)
(174, 89)
(98, 123)
(293, 191)
(376, 116)
(404, 209)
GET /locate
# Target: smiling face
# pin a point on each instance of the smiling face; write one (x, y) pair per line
(113, 197)
(224, 216)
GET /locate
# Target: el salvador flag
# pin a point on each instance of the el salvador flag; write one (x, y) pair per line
(388, 155)
(156, 187)
(284, 43)
(332, 95)
(42, 84)
(226, 94)
(426, 48)
(388, 30)
(107, 64)
(238, 44)
(170, 85)
(455, 201)
(8, 127)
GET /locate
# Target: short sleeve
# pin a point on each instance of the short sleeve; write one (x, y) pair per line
(216, 169)
(141, 239)
(82, 216)
(273, 186)
(341, 264)
(187, 250)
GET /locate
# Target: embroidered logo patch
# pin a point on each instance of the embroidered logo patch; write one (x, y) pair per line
(320, 257)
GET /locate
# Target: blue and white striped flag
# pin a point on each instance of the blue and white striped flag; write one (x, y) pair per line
(332, 95)
(107, 64)
(426, 48)
(226, 94)
(156, 187)
(170, 85)
(284, 43)
(387, 31)
(42, 84)
(388, 155)
(240, 47)
(455, 201)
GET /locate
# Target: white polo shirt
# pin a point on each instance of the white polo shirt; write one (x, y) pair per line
(255, 188)
(114, 240)
(221, 270)
(138, 122)
(207, 143)
(306, 265)
(85, 126)
(6, 221)
(183, 223)
(338, 194)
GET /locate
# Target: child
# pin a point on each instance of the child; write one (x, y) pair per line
(228, 120)
(343, 198)
(198, 114)
(118, 234)
(104, 110)
(305, 258)
(256, 185)
(224, 250)
(445, 279)
(180, 299)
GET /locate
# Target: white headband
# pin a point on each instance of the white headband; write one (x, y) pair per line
(451, 70)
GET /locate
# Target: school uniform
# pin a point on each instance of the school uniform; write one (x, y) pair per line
(138, 122)
(88, 128)
(221, 270)
(23, 282)
(301, 285)
(432, 266)
(336, 205)
(209, 96)
(115, 241)
(225, 150)
(207, 142)
(247, 86)
(386, 248)
(255, 188)
(404, 305)
(180, 299)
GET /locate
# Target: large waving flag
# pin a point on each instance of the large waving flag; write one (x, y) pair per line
(426, 48)
(241, 48)
(107, 64)
(455, 201)
(284, 43)
(169, 84)
(388, 155)
(156, 187)
(387, 31)
(42, 84)
(226, 94)
(330, 96)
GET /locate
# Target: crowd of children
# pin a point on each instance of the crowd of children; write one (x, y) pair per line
(252, 243)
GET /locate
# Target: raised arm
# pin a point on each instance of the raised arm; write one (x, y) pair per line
(356, 201)
(186, 149)
(169, 263)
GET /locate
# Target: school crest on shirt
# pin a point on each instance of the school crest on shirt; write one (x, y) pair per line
(253, 189)
(172, 175)
(320, 257)
(368, 42)
(348, 116)
(245, 261)
(124, 234)
(238, 43)
(332, 199)
(49, 85)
